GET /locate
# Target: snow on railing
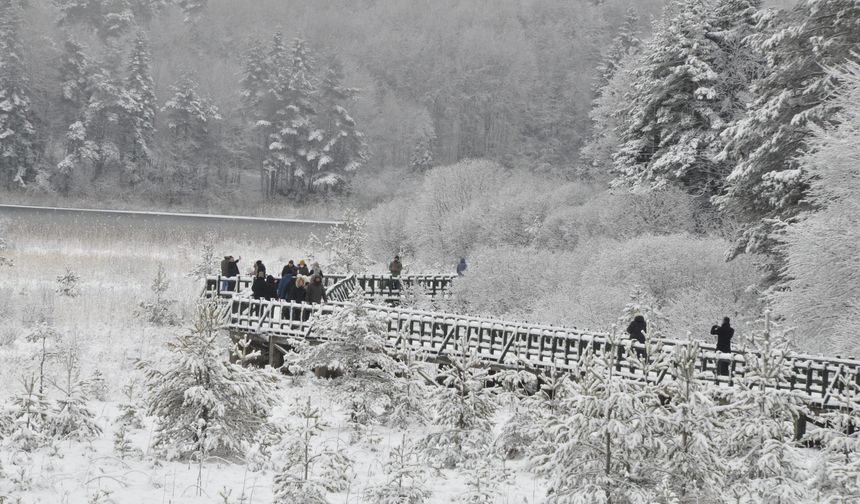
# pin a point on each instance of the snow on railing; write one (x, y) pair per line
(508, 344)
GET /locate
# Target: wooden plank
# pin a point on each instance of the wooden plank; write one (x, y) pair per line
(451, 332)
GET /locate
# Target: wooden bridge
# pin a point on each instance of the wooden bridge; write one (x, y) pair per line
(823, 381)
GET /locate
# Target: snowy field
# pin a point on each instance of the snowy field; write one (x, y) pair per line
(100, 326)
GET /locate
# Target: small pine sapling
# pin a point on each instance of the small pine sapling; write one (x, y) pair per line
(352, 342)
(129, 410)
(242, 353)
(759, 425)
(96, 386)
(407, 403)
(159, 310)
(307, 469)
(45, 337)
(30, 410)
(517, 433)
(68, 284)
(464, 409)
(484, 473)
(203, 404)
(71, 418)
(405, 478)
(122, 444)
(207, 264)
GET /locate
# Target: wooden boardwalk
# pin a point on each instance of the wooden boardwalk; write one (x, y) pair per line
(822, 381)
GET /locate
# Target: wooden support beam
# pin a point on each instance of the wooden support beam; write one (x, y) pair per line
(451, 331)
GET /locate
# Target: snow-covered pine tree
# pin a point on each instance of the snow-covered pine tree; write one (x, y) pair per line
(295, 143)
(464, 408)
(626, 42)
(836, 475)
(405, 478)
(610, 433)
(193, 10)
(97, 139)
(767, 184)
(68, 284)
(203, 404)
(109, 19)
(769, 465)
(343, 147)
(45, 336)
(346, 244)
(407, 404)
(140, 108)
(306, 468)
(74, 70)
(485, 473)
(672, 134)
(208, 263)
(30, 412)
(129, 408)
(17, 130)
(72, 418)
(256, 78)
(352, 342)
(822, 249)
(694, 467)
(159, 309)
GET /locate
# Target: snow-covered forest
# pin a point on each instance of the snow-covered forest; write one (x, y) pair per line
(590, 161)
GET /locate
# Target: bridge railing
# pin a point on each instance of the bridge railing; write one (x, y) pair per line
(378, 288)
(503, 343)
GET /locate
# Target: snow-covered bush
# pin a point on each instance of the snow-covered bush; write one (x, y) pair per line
(159, 309)
(464, 408)
(202, 403)
(822, 248)
(405, 478)
(68, 284)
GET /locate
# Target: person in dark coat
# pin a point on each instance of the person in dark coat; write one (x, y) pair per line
(229, 268)
(395, 268)
(724, 335)
(316, 270)
(461, 267)
(316, 291)
(288, 276)
(271, 287)
(303, 268)
(637, 329)
(259, 268)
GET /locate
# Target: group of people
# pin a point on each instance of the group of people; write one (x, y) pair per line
(298, 283)
(724, 332)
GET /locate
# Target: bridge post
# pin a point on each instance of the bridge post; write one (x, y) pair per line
(800, 427)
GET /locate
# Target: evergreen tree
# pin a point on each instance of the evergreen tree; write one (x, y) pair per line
(203, 404)
(405, 478)
(30, 412)
(101, 146)
(140, 105)
(189, 119)
(353, 342)
(17, 130)
(758, 437)
(74, 74)
(343, 149)
(464, 408)
(193, 10)
(767, 185)
(255, 81)
(625, 43)
(72, 418)
(672, 135)
(295, 143)
(307, 469)
(109, 19)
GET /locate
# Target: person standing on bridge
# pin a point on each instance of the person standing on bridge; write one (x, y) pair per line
(637, 330)
(461, 267)
(303, 269)
(316, 270)
(259, 269)
(285, 284)
(316, 291)
(298, 295)
(724, 335)
(229, 269)
(395, 268)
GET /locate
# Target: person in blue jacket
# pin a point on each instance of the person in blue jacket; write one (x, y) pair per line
(461, 267)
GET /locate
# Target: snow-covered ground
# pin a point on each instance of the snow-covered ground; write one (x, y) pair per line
(116, 267)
